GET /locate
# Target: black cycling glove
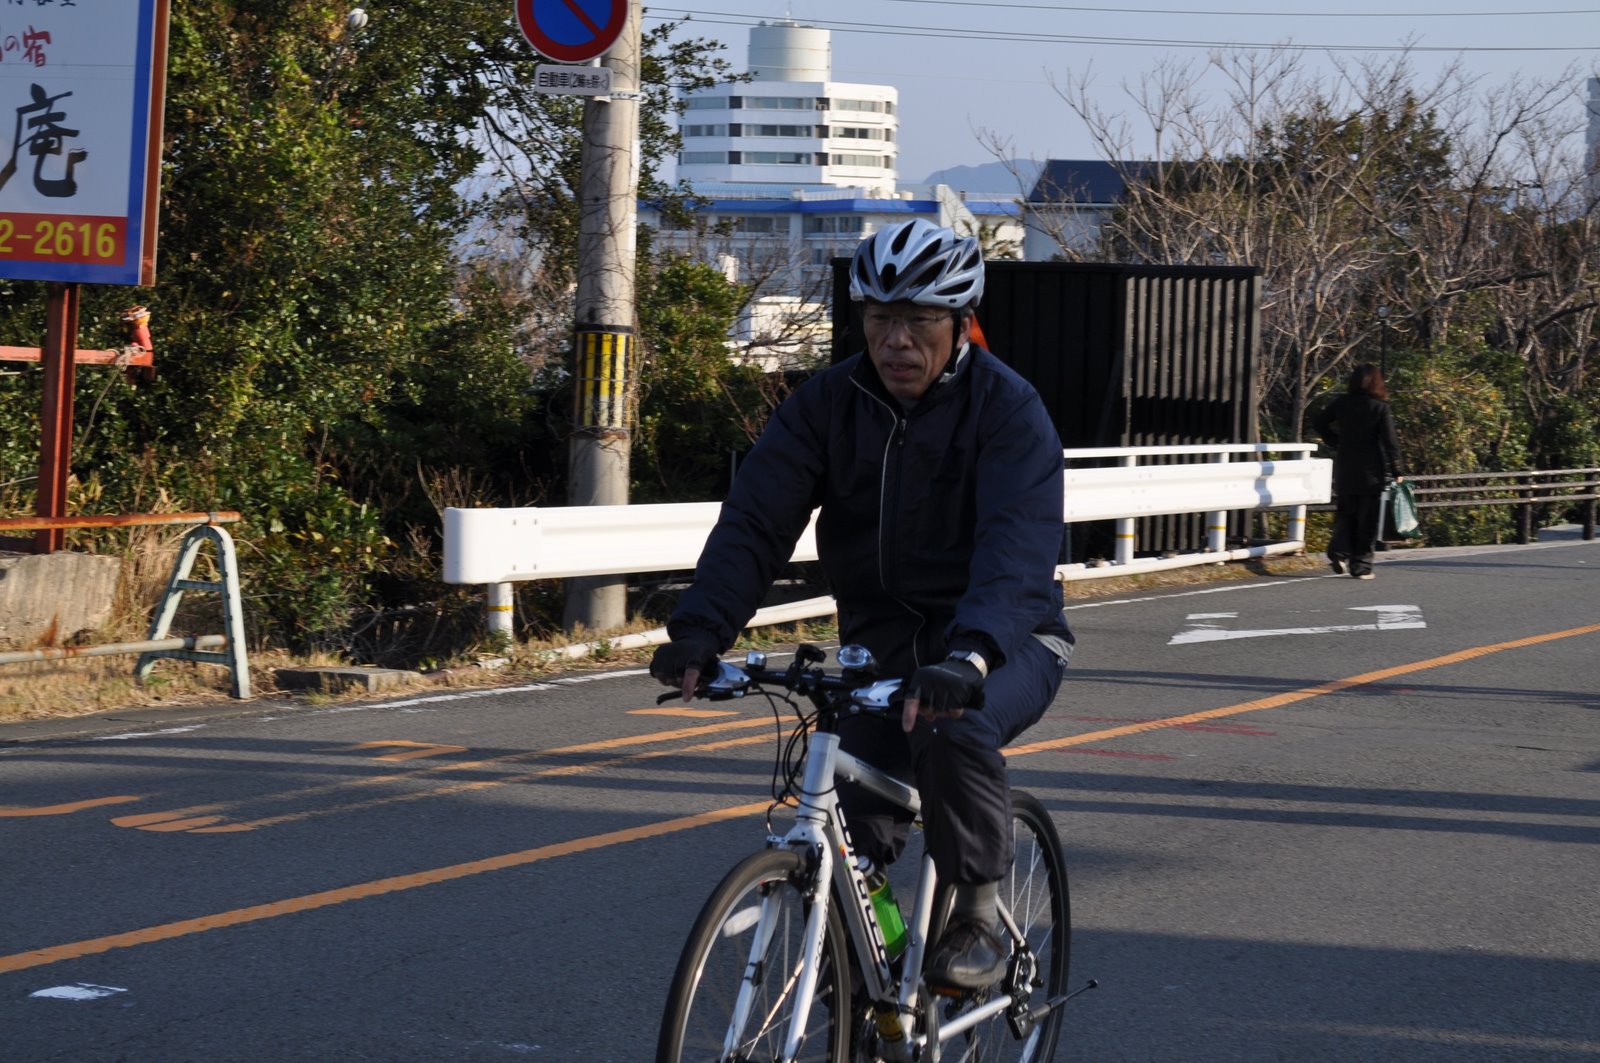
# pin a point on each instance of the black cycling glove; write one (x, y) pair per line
(950, 684)
(673, 658)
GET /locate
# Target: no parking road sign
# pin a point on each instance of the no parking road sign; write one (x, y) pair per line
(571, 31)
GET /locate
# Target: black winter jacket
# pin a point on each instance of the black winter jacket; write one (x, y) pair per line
(1360, 428)
(939, 529)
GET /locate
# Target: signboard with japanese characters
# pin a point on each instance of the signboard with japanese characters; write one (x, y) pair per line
(572, 80)
(81, 90)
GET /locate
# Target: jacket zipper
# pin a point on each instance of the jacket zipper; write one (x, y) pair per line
(897, 439)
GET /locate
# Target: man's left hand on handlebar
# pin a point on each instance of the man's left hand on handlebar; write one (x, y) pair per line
(681, 662)
(948, 688)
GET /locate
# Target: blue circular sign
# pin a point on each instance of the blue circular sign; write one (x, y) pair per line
(571, 31)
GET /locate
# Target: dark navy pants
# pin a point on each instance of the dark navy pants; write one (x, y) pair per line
(955, 764)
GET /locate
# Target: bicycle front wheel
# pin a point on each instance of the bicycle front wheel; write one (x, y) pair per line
(1035, 892)
(749, 942)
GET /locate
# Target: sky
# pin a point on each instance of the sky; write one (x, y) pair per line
(969, 71)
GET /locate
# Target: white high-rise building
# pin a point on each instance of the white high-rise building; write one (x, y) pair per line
(790, 124)
(792, 170)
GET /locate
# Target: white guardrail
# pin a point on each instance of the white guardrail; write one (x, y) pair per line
(497, 547)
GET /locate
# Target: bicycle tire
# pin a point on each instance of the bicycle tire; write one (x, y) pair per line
(1036, 892)
(705, 985)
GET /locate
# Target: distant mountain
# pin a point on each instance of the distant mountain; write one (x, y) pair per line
(989, 177)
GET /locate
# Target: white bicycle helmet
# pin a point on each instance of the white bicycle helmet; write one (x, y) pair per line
(920, 262)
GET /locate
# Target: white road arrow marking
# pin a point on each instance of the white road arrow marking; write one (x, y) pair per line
(77, 991)
(1203, 627)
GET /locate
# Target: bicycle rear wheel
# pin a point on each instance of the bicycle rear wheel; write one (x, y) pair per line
(1035, 892)
(701, 1006)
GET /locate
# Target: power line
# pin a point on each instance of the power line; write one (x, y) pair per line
(728, 18)
(1251, 14)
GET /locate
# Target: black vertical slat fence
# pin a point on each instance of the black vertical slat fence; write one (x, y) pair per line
(1123, 356)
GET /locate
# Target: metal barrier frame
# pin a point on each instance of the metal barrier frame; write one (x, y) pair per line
(227, 650)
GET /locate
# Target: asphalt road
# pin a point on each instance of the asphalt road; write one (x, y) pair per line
(1308, 818)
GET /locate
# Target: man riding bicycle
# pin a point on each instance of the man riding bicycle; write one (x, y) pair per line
(938, 474)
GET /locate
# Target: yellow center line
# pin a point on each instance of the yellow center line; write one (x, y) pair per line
(360, 891)
(1277, 701)
(55, 954)
(69, 808)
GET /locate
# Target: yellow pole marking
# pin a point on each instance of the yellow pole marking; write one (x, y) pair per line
(417, 750)
(68, 808)
(144, 821)
(1277, 701)
(21, 961)
(57, 953)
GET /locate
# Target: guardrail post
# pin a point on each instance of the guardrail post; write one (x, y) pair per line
(1525, 512)
(1217, 521)
(1297, 526)
(501, 612)
(1125, 525)
(1591, 489)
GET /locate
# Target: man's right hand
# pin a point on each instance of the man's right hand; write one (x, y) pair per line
(680, 663)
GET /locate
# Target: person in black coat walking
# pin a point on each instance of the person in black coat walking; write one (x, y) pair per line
(1360, 428)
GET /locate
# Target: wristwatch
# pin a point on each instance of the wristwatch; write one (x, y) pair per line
(973, 658)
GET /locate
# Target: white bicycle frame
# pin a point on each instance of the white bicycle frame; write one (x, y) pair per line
(819, 832)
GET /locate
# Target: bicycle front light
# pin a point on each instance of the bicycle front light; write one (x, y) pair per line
(857, 659)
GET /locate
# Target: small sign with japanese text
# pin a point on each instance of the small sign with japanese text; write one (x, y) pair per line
(572, 80)
(81, 90)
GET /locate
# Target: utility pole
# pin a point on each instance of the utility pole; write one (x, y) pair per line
(603, 321)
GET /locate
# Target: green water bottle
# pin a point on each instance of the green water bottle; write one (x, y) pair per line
(887, 911)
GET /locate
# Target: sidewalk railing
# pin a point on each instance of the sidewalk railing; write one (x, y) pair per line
(1525, 489)
(227, 650)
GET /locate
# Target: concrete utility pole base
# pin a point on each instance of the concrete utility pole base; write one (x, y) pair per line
(599, 477)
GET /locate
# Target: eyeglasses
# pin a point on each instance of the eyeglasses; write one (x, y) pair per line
(879, 321)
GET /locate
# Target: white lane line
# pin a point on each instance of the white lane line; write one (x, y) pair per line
(1161, 597)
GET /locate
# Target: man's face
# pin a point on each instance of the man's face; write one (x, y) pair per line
(910, 345)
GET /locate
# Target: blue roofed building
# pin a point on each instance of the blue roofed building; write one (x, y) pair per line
(1070, 200)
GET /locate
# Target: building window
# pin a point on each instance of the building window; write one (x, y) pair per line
(779, 103)
(751, 130)
(706, 131)
(830, 224)
(859, 160)
(869, 106)
(706, 103)
(857, 132)
(702, 157)
(761, 223)
(776, 158)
